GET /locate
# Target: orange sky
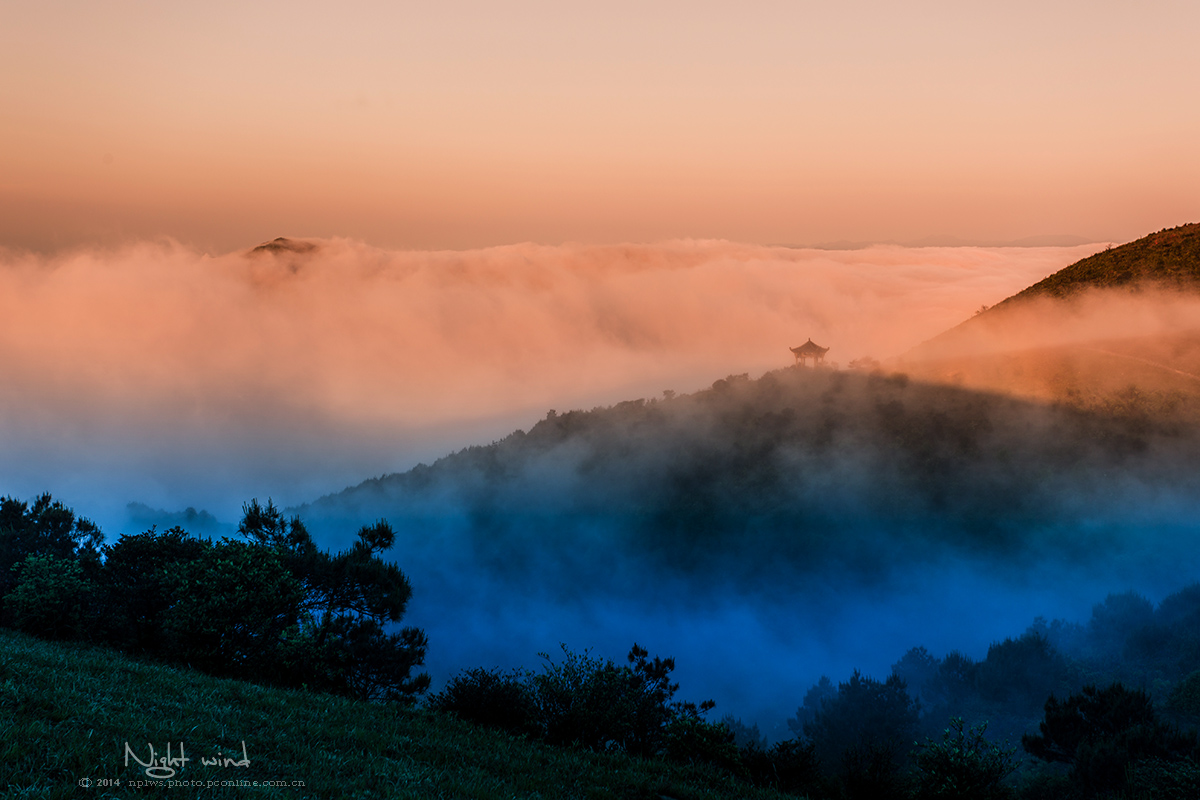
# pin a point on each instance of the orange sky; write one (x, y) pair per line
(475, 124)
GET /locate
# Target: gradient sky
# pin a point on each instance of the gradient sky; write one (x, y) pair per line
(469, 124)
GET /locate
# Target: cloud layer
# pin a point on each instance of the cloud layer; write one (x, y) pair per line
(156, 373)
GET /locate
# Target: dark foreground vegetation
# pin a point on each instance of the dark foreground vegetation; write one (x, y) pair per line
(68, 709)
(269, 606)
(1028, 721)
(271, 609)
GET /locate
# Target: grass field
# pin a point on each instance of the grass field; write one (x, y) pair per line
(67, 712)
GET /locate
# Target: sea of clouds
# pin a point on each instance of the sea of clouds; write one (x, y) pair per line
(157, 374)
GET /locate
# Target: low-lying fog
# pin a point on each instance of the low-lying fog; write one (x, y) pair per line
(159, 375)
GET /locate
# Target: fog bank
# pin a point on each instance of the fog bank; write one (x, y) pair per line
(157, 374)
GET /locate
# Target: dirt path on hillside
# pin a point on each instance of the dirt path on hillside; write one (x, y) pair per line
(1144, 361)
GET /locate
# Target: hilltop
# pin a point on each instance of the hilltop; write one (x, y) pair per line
(796, 470)
(1167, 259)
(1115, 333)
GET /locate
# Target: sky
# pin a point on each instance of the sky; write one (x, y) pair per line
(461, 125)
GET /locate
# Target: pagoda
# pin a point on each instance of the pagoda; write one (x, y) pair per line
(809, 350)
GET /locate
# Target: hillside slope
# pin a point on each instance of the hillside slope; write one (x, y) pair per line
(798, 470)
(1167, 259)
(69, 711)
(1118, 332)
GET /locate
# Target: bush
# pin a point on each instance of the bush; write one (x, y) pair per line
(600, 706)
(140, 582)
(963, 766)
(789, 766)
(1156, 777)
(691, 740)
(50, 597)
(44, 528)
(1101, 733)
(231, 608)
(871, 771)
(1185, 698)
(864, 721)
(491, 698)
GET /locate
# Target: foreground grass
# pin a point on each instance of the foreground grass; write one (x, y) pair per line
(67, 712)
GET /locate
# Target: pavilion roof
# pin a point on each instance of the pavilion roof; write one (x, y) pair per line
(809, 349)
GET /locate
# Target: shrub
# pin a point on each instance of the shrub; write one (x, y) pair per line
(789, 766)
(50, 597)
(963, 766)
(1157, 777)
(690, 739)
(865, 721)
(44, 527)
(1185, 698)
(870, 770)
(491, 698)
(1101, 733)
(231, 608)
(598, 705)
(140, 582)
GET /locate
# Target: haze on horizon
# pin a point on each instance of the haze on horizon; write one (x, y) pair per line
(469, 125)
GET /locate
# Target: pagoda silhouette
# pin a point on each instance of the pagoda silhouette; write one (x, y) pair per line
(809, 350)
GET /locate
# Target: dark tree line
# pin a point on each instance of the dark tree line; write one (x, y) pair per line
(1059, 694)
(269, 606)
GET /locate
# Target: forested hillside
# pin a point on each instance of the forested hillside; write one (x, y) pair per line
(798, 469)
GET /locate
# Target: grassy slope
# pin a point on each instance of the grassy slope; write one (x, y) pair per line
(67, 710)
(1167, 259)
(1170, 257)
(1149, 375)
